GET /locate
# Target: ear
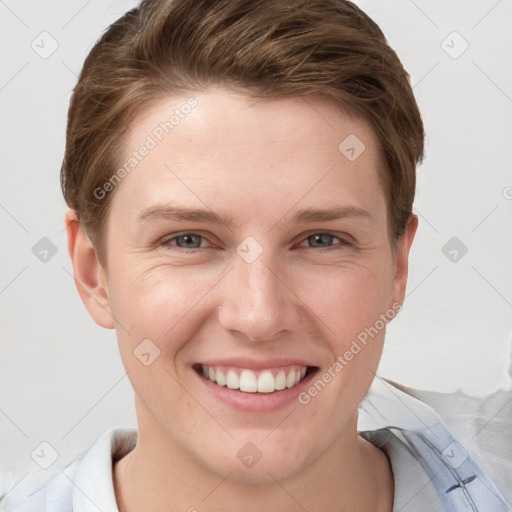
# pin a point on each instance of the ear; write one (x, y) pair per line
(402, 260)
(90, 277)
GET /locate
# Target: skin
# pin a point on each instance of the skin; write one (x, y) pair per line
(259, 162)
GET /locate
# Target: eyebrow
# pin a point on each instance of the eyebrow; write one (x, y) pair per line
(308, 215)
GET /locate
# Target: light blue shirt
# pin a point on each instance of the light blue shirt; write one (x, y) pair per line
(433, 472)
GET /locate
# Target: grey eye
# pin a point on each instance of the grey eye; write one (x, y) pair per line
(318, 239)
(190, 241)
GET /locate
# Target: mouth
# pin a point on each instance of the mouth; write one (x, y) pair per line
(264, 381)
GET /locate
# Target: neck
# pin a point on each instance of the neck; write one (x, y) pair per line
(352, 475)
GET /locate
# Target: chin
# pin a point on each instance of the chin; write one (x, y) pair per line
(258, 463)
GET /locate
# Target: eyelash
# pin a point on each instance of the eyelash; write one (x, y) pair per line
(167, 241)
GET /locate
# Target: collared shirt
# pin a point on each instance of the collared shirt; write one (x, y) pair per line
(427, 475)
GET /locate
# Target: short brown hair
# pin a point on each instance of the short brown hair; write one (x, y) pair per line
(262, 48)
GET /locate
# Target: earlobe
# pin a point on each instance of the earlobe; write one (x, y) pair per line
(88, 273)
(402, 260)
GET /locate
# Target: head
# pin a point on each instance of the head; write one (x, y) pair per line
(260, 114)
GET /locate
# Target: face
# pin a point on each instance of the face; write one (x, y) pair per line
(249, 246)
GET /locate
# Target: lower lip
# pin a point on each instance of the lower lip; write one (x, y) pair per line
(256, 402)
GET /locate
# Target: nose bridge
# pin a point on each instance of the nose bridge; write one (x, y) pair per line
(255, 298)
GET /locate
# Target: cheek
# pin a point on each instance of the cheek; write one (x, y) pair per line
(348, 300)
(156, 312)
(158, 302)
(168, 303)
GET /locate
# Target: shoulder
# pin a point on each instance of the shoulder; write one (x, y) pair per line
(413, 490)
(87, 479)
(431, 467)
(55, 494)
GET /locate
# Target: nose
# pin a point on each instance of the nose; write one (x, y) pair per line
(258, 301)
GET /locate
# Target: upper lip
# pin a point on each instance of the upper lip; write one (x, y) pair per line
(253, 364)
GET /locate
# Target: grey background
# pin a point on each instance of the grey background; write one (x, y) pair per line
(61, 378)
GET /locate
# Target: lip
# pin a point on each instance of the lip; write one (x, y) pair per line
(255, 402)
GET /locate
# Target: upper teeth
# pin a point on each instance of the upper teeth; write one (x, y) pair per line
(265, 381)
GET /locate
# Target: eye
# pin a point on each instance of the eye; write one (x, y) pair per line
(324, 240)
(184, 241)
(190, 242)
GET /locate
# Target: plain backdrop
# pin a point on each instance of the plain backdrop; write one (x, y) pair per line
(61, 378)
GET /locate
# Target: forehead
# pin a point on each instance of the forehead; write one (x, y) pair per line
(209, 146)
(244, 121)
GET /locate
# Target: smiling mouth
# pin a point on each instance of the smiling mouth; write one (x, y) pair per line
(250, 381)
